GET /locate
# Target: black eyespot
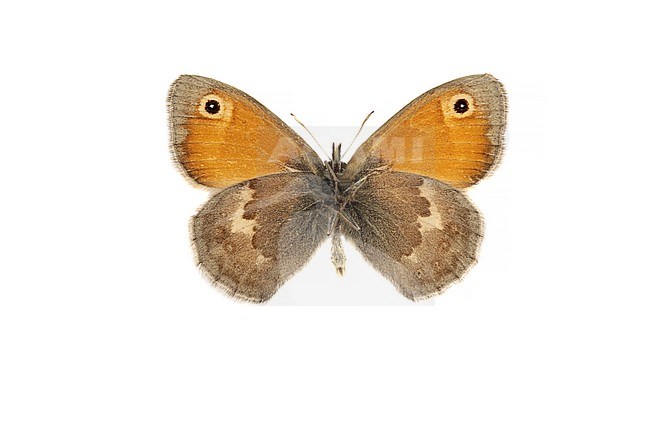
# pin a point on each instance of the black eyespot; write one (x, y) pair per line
(212, 106)
(461, 106)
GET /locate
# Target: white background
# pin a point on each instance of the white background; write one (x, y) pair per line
(106, 325)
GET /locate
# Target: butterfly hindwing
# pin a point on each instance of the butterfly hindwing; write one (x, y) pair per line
(453, 133)
(251, 237)
(221, 136)
(420, 233)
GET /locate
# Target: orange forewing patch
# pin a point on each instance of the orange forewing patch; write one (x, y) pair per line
(220, 153)
(429, 137)
(434, 143)
(240, 141)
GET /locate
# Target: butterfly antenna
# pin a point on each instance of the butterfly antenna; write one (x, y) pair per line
(358, 132)
(309, 132)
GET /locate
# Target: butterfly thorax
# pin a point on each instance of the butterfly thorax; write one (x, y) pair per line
(334, 170)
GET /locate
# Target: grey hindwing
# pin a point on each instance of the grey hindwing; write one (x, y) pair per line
(420, 233)
(253, 236)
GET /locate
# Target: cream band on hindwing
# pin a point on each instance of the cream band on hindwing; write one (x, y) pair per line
(433, 221)
(237, 221)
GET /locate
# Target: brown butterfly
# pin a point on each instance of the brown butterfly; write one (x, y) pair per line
(399, 199)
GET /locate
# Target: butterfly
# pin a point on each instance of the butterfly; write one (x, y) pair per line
(399, 199)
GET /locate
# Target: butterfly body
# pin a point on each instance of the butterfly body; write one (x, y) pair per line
(399, 199)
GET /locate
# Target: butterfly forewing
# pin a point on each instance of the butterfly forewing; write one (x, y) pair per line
(221, 136)
(453, 133)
